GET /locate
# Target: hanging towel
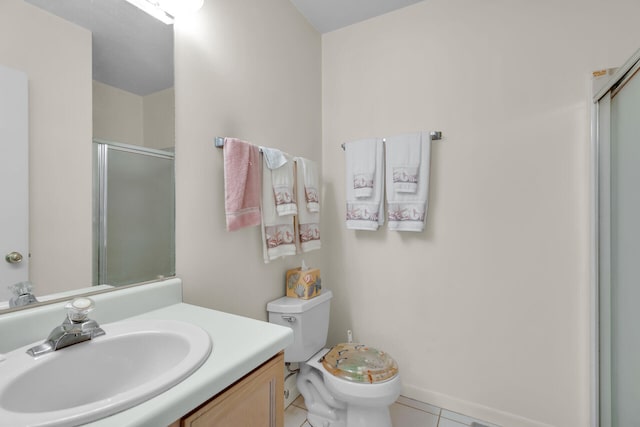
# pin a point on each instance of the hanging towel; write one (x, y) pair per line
(403, 162)
(282, 179)
(308, 220)
(364, 213)
(241, 184)
(278, 233)
(407, 211)
(309, 182)
(273, 157)
(363, 168)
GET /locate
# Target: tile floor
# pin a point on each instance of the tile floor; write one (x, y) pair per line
(404, 413)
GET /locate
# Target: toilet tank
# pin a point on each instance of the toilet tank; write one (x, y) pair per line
(309, 320)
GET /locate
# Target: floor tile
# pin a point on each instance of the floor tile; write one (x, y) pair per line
(405, 413)
(463, 419)
(299, 402)
(445, 422)
(294, 416)
(405, 416)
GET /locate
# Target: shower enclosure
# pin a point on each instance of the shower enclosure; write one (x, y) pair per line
(134, 214)
(617, 150)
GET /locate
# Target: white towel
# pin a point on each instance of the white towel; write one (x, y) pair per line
(403, 162)
(363, 167)
(407, 211)
(310, 184)
(365, 213)
(282, 179)
(278, 233)
(308, 220)
(273, 157)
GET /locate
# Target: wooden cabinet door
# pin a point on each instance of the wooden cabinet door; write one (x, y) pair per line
(257, 400)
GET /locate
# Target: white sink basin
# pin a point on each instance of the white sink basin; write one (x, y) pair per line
(135, 361)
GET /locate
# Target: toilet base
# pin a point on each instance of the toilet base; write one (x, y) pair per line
(324, 410)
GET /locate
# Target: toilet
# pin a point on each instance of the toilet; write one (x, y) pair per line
(349, 385)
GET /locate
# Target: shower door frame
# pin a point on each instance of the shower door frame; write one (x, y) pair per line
(601, 239)
(100, 200)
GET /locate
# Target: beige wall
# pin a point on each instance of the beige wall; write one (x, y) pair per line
(487, 311)
(248, 69)
(159, 119)
(121, 116)
(117, 115)
(56, 56)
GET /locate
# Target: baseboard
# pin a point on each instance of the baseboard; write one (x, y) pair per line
(470, 409)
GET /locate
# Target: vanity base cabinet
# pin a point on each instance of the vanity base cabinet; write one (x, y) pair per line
(257, 400)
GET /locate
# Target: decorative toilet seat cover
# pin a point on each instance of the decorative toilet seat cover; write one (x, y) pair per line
(359, 363)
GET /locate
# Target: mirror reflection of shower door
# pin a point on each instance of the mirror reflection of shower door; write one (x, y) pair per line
(135, 214)
(619, 281)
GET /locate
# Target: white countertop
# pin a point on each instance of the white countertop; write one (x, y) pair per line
(240, 345)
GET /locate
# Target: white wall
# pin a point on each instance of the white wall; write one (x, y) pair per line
(56, 56)
(248, 69)
(487, 311)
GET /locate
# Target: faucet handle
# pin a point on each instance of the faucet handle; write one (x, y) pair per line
(23, 295)
(79, 308)
(21, 288)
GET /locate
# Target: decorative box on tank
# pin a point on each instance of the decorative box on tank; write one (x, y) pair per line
(303, 283)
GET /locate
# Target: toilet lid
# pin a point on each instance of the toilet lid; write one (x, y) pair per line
(359, 363)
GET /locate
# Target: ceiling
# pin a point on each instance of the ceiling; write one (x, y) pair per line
(330, 15)
(131, 50)
(134, 52)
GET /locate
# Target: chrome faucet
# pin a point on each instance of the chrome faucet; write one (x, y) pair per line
(76, 328)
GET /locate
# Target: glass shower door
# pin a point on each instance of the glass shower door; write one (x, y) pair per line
(625, 255)
(136, 215)
(619, 253)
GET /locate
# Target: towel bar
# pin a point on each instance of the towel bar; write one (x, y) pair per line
(435, 136)
(219, 142)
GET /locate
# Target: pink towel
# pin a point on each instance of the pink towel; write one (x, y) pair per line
(241, 184)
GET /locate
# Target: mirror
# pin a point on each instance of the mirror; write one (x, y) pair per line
(96, 70)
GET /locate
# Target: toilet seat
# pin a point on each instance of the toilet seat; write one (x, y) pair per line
(360, 364)
(364, 394)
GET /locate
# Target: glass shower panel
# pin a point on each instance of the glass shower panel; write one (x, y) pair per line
(140, 217)
(625, 251)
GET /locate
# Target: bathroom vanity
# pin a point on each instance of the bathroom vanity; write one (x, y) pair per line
(240, 383)
(256, 400)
